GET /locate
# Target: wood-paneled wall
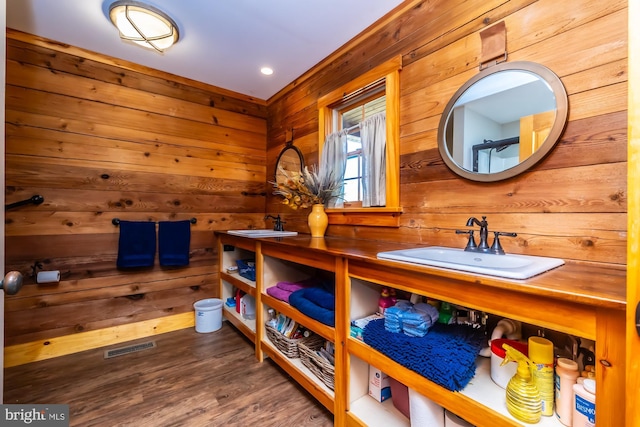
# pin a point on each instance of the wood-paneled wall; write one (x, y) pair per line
(572, 205)
(103, 139)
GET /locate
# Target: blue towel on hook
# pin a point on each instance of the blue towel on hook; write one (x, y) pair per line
(137, 244)
(174, 239)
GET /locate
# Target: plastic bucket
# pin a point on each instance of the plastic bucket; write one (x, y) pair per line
(208, 315)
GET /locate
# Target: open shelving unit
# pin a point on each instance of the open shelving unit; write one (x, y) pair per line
(550, 302)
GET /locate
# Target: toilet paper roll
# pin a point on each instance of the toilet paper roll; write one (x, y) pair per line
(424, 411)
(48, 276)
(452, 420)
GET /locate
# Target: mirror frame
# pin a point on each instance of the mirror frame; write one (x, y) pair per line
(562, 104)
(289, 146)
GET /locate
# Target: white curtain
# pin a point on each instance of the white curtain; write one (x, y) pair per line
(334, 158)
(373, 135)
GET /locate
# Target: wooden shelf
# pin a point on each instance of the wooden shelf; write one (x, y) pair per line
(247, 327)
(481, 402)
(367, 411)
(301, 374)
(327, 332)
(245, 285)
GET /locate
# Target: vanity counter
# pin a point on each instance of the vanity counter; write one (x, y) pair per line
(582, 299)
(598, 285)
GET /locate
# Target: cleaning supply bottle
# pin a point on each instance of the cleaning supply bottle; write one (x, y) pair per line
(541, 354)
(523, 397)
(584, 408)
(566, 376)
(385, 301)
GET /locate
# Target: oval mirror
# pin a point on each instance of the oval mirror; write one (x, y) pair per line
(502, 121)
(289, 159)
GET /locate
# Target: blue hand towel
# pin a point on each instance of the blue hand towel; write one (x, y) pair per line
(174, 238)
(137, 244)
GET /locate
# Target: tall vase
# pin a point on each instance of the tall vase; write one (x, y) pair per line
(318, 221)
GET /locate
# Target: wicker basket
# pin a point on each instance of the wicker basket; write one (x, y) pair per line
(289, 346)
(321, 368)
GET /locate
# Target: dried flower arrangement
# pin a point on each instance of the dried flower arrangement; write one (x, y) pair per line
(307, 188)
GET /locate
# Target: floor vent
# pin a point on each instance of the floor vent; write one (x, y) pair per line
(129, 349)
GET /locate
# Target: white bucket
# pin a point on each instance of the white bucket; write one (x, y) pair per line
(208, 315)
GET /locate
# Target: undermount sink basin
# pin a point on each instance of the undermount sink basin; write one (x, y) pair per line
(262, 233)
(509, 266)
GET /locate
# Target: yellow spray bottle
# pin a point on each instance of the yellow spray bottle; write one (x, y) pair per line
(523, 396)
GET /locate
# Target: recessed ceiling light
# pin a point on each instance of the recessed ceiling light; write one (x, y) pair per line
(143, 24)
(266, 71)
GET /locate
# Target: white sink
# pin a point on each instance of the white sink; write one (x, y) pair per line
(509, 266)
(262, 233)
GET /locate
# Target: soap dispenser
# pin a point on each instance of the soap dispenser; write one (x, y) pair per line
(523, 396)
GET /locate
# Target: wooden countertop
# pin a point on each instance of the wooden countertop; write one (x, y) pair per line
(579, 282)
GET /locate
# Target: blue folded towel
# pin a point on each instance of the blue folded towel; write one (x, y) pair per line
(446, 355)
(137, 244)
(174, 238)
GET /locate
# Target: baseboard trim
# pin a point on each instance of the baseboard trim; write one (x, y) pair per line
(34, 351)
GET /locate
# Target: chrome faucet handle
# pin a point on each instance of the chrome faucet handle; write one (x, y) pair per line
(471, 244)
(496, 248)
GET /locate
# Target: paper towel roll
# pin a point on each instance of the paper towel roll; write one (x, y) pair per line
(424, 412)
(452, 420)
(48, 276)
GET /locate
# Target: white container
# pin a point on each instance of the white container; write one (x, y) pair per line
(584, 407)
(208, 315)
(248, 307)
(565, 377)
(502, 374)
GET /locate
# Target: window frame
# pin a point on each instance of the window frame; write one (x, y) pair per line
(390, 72)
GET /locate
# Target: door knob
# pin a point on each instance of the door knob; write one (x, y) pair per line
(12, 282)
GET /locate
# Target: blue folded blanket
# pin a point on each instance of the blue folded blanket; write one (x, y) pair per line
(446, 355)
(136, 244)
(174, 238)
(317, 303)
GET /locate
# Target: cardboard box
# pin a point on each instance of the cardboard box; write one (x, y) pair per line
(379, 385)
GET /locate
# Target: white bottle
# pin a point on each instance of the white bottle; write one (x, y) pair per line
(566, 375)
(584, 408)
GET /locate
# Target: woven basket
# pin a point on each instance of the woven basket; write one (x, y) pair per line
(321, 368)
(288, 346)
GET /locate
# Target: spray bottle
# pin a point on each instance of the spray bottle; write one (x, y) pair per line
(523, 396)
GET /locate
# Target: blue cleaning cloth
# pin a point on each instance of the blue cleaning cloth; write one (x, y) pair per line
(446, 355)
(174, 239)
(317, 303)
(413, 320)
(137, 244)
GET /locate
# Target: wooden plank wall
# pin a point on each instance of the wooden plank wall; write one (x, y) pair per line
(572, 205)
(101, 139)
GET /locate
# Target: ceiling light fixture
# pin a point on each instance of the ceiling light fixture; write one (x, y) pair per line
(266, 71)
(143, 24)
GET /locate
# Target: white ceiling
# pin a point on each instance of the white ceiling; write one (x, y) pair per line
(222, 42)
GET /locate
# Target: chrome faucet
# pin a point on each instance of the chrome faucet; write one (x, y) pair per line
(483, 247)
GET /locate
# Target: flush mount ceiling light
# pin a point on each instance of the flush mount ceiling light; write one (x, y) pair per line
(144, 25)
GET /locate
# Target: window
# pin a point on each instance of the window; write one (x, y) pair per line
(351, 119)
(370, 198)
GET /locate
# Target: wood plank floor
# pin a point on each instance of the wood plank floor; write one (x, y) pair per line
(189, 379)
